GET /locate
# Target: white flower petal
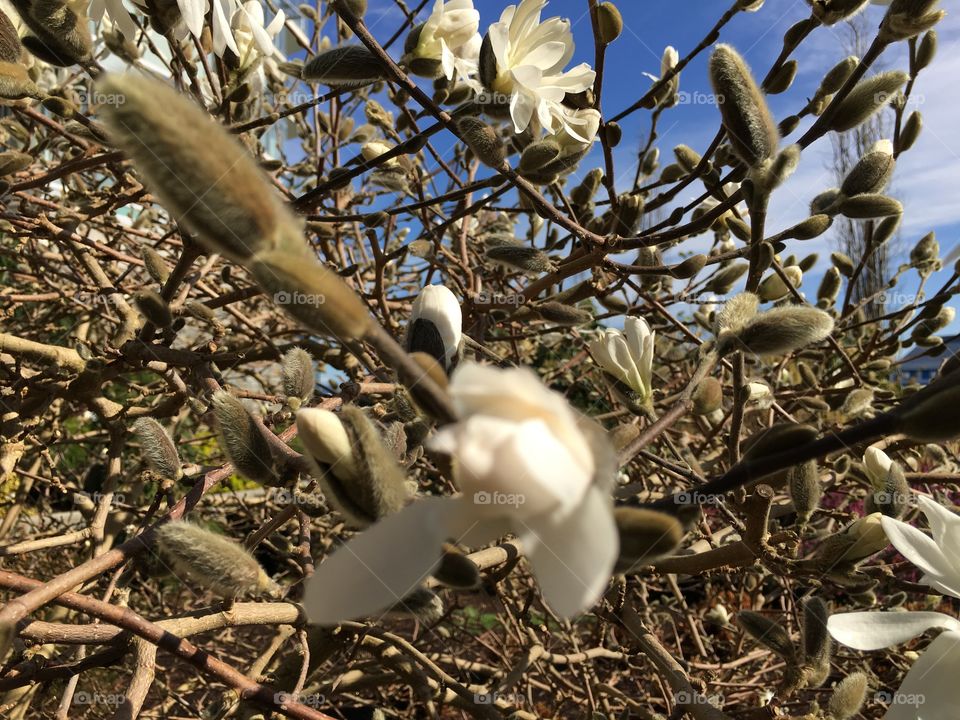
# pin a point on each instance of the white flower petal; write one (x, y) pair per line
(381, 565)
(437, 304)
(921, 550)
(875, 630)
(193, 12)
(930, 690)
(573, 558)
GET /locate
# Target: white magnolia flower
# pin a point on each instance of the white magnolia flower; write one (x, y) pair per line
(628, 355)
(668, 61)
(376, 148)
(929, 691)
(254, 39)
(531, 57)
(450, 36)
(439, 310)
(193, 13)
(117, 13)
(877, 464)
(586, 123)
(523, 465)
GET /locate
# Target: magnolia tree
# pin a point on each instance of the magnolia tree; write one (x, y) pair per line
(345, 377)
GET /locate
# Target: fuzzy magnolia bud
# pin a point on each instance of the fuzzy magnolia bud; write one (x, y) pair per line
(872, 172)
(350, 66)
(158, 449)
(870, 205)
(155, 265)
(774, 287)
(520, 257)
(803, 481)
(311, 292)
(645, 535)
(908, 18)
(214, 561)
(483, 140)
(357, 472)
(725, 278)
(12, 161)
(202, 175)
(609, 22)
(837, 75)
(242, 440)
(708, 396)
(910, 131)
(814, 226)
(154, 308)
(60, 36)
(750, 127)
(843, 263)
(817, 642)
(298, 377)
(563, 314)
(780, 330)
(456, 570)
(15, 83)
(866, 98)
(848, 696)
(768, 632)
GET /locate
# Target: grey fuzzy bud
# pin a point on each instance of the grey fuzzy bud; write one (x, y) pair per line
(645, 536)
(866, 98)
(483, 140)
(154, 308)
(158, 449)
(298, 376)
(848, 696)
(870, 205)
(242, 440)
(843, 263)
(456, 570)
(563, 314)
(214, 561)
(358, 473)
(780, 330)
(910, 131)
(837, 75)
(782, 79)
(422, 603)
(817, 642)
(725, 278)
(871, 173)
(536, 155)
(737, 312)
(768, 632)
(520, 257)
(814, 226)
(60, 35)
(750, 127)
(155, 265)
(803, 482)
(349, 66)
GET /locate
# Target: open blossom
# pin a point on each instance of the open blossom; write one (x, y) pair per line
(586, 123)
(450, 36)
(666, 96)
(530, 60)
(524, 464)
(628, 356)
(929, 690)
(254, 38)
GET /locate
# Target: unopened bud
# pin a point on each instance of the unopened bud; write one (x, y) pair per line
(158, 449)
(866, 98)
(214, 561)
(350, 66)
(298, 377)
(520, 257)
(767, 632)
(609, 22)
(483, 140)
(242, 440)
(645, 536)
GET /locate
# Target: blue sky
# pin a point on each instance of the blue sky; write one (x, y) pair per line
(926, 179)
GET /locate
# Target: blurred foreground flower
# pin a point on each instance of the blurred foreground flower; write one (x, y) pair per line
(929, 691)
(526, 463)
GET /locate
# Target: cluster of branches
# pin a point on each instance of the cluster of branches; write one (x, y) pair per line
(112, 314)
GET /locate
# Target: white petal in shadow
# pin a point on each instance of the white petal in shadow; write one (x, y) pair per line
(930, 690)
(381, 565)
(875, 630)
(573, 558)
(919, 549)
